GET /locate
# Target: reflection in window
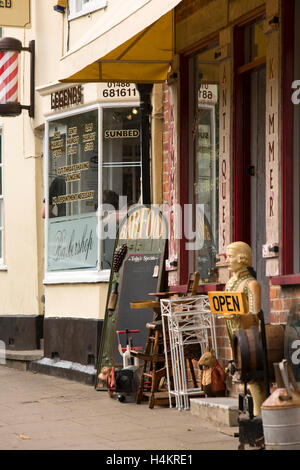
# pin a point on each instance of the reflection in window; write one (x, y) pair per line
(73, 165)
(121, 167)
(205, 144)
(75, 219)
(73, 192)
(255, 42)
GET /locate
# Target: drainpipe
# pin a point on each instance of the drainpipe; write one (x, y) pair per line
(145, 91)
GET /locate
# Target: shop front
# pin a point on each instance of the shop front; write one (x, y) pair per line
(92, 173)
(227, 139)
(238, 129)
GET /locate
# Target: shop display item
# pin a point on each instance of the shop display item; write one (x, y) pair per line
(281, 411)
(239, 256)
(213, 376)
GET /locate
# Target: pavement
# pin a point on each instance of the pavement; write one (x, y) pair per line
(41, 412)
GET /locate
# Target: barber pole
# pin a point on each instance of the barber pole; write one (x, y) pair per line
(10, 49)
(9, 67)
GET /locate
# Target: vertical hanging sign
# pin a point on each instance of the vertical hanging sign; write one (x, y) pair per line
(15, 13)
(225, 126)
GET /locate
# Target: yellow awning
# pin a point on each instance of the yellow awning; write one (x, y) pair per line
(133, 41)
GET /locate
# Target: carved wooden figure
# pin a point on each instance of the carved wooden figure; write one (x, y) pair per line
(213, 375)
(239, 258)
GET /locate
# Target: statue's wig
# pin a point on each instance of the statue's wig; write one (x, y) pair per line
(243, 250)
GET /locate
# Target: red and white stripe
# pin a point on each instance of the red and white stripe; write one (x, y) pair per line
(8, 76)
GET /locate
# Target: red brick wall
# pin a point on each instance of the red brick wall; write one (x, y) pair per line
(281, 300)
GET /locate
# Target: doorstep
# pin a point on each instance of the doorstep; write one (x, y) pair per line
(221, 411)
(21, 360)
(85, 374)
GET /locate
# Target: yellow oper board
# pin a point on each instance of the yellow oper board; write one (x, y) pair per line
(15, 13)
(227, 303)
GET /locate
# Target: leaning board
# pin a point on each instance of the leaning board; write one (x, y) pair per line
(141, 272)
(136, 283)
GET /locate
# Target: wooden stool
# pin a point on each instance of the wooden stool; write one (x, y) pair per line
(154, 367)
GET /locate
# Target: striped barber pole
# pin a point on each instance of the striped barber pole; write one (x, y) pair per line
(9, 76)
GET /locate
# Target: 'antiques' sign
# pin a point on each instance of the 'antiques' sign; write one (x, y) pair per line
(67, 97)
(15, 13)
(227, 303)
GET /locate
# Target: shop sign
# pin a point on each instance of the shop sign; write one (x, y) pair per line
(112, 91)
(121, 133)
(208, 94)
(204, 136)
(72, 242)
(144, 223)
(14, 13)
(227, 303)
(67, 97)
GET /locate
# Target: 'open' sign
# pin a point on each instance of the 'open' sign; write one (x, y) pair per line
(227, 303)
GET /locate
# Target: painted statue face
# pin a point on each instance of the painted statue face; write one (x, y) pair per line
(233, 260)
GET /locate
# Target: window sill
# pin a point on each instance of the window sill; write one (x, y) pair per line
(76, 277)
(287, 280)
(87, 11)
(202, 288)
(3, 267)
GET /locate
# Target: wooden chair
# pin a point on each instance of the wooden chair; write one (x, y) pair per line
(154, 366)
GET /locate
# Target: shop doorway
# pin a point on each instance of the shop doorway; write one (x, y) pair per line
(249, 148)
(257, 175)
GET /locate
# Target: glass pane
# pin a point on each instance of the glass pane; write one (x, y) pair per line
(121, 166)
(1, 228)
(205, 137)
(1, 180)
(73, 192)
(255, 42)
(73, 165)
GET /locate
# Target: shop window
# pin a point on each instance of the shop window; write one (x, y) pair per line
(121, 166)
(254, 42)
(296, 142)
(93, 164)
(204, 144)
(1, 202)
(83, 7)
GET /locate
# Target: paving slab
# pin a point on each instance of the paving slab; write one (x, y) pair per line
(222, 411)
(40, 412)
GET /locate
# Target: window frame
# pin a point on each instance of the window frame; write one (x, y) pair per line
(288, 276)
(90, 7)
(188, 63)
(2, 265)
(84, 275)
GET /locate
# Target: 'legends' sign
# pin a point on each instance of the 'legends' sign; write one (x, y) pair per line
(15, 13)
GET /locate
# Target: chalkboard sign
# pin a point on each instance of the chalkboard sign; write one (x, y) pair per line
(137, 270)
